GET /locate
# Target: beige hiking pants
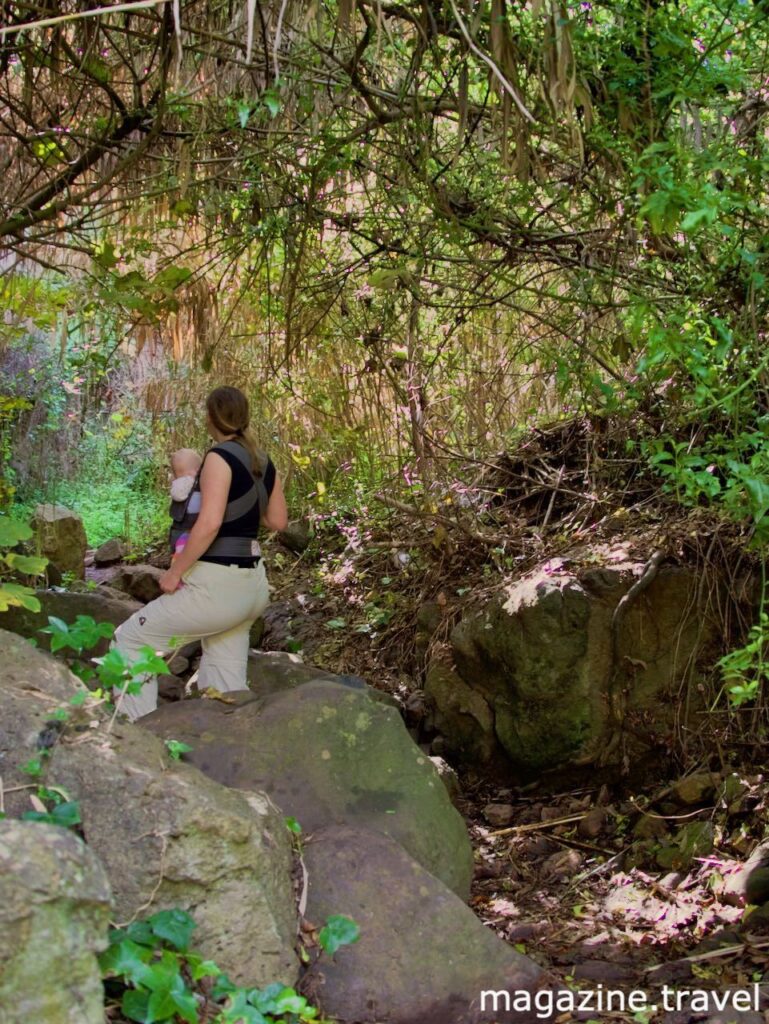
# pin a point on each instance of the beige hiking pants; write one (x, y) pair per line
(215, 604)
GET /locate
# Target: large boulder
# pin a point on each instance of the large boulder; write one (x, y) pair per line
(167, 835)
(327, 754)
(274, 671)
(67, 605)
(60, 537)
(559, 673)
(423, 956)
(54, 916)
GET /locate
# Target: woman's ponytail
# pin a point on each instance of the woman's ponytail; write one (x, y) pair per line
(228, 410)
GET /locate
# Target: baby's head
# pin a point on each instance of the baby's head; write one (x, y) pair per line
(185, 462)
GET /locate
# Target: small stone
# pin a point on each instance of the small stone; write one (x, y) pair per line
(488, 869)
(592, 825)
(178, 664)
(696, 789)
(649, 826)
(439, 746)
(526, 930)
(110, 552)
(499, 815)
(562, 865)
(296, 536)
(450, 780)
(142, 582)
(601, 970)
(170, 687)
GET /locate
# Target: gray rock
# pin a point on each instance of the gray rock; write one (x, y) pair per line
(296, 536)
(450, 780)
(142, 582)
(540, 655)
(256, 633)
(60, 537)
(462, 715)
(499, 815)
(67, 606)
(696, 789)
(274, 672)
(166, 835)
(422, 956)
(327, 754)
(110, 552)
(593, 824)
(54, 915)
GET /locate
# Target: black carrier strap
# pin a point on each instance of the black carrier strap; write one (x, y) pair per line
(256, 495)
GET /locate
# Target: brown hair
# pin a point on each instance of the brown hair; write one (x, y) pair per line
(228, 410)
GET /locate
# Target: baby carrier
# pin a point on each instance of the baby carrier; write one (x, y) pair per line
(256, 496)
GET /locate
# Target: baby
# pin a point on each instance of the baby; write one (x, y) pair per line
(185, 465)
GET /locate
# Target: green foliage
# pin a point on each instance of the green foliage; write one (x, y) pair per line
(746, 669)
(176, 748)
(337, 932)
(63, 813)
(12, 593)
(110, 673)
(151, 963)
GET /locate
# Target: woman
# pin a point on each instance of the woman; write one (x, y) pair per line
(217, 584)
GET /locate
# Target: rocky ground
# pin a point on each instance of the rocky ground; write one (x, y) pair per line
(613, 884)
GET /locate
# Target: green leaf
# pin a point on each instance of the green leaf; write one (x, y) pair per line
(338, 931)
(12, 531)
(293, 826)
(271, 100)
(33, 767)
(135, 1005)
(17, 596)
(336, 624)
(176, 748)
(26, 563)
(126, 959)
(244, 112)
(174, 926)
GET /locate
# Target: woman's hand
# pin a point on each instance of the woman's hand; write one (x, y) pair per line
(170, 581)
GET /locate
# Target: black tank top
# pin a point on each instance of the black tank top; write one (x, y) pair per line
(248, 524)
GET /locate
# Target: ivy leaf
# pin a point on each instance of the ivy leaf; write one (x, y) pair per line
(338, 931)
(175, 926)
(125, 958)
(135, 1006)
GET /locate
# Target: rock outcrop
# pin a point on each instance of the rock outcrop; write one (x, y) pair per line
(54, 916)
(327, 754)
(422, 954)
(546, 674)
(60, 536)
(67, 605)
(167, 835)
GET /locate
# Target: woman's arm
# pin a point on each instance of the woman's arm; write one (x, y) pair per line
(275, 516)
(215, 479)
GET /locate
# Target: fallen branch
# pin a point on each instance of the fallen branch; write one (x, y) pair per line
(537, 826)
(493, 540)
